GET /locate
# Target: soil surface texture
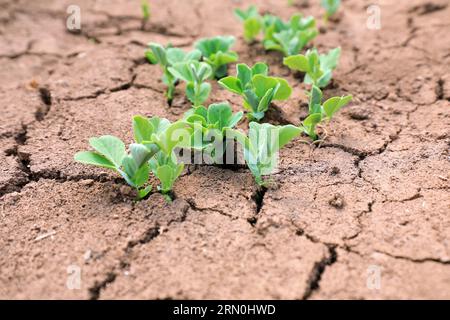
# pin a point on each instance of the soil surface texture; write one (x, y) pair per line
(364, 216)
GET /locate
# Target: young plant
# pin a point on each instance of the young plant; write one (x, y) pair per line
(210, 127)
(195, 74)
(331, 7)
(291, 37)
(110, 153)
(318, 68)
(252, 22)
(319, 112)
(257, 88)
(216, 52)
(145, 8)
(167, 137)
(168, 57)
(261, 147)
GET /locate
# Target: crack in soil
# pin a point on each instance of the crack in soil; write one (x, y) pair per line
(318, 270)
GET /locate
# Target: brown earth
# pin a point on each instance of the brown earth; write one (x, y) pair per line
(374, 195)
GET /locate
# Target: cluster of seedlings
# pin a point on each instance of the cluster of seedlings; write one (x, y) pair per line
(163, 148)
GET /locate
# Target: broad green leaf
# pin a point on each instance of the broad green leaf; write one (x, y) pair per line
(142, 129)
(315, 98)
(266, 100)
(165, 175)
(333, 105)
(252, 27)
(284, 91)
(111, 147)
(310, 124)
(183, 71)
(140, 154)
(260, 68)
(141, 176)
(159, 53)
(262, 84)
(219, 113)
(142, 193)
(159, 124)
(235, 119)
(92, 158)
(244, 74)
(232, 84)
(203, 94)
(297, 62)
(251, 100)
(287, 133)
(331, 59)
(151, 57)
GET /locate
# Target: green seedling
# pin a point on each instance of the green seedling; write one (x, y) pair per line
(195, 74)
(166, 137)
(110, 153)
(261, 147)
(210, 127)
(319, 112)
(216, 52)
(331, 7)
(168, 57)
(252, 22)
(145, 8)
(291, 37)
(318, 68)
(257, 88)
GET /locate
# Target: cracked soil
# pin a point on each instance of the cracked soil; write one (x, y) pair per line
(376, 193)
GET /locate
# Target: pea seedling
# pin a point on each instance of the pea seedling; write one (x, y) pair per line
(331, 7)
(195, 74)
(216, 52)
(318, 68)
(288, 38)
(168, 58)
(261, 147)
(110, 153)
(319, 112)
(210, 127)
(145, 8)
(257, 88)
(166, 137)
(252, 22)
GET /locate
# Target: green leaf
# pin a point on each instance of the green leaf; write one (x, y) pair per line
(287, 133)
(315, 99)
(310, 124)
(232, 84)
(203, 94)
(141, 154)
(141, 176)
(235, 119)
(159, 53)
(159, 124)
(333, 105)
(244, 74)
(142, 193)
(142, 129)
(284, 91)
(165, 175)
(330, 60)
(182, 71)
(262, 84)
(252, 27)
(151, 57)
(297, 62)
(110, 147)
(260, 68)
(219, 113)
(266, 100)
(92, 158)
